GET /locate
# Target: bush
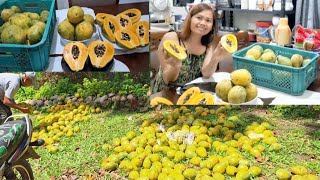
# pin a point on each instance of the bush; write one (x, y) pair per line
(297, 111)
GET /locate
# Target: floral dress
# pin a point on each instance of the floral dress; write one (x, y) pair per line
(190, 70)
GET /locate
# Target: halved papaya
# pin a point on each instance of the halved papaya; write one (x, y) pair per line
(229, 43)
(134, 14)
(174, 50)
(160, 100)
(124, 20)
(203, 99)
(127, 39)
(187, 97)
(100, 17)
(110, 27)
(101, 53)
(141, 29)
(75, 54)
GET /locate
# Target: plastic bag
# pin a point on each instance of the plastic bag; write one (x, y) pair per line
(306, 38)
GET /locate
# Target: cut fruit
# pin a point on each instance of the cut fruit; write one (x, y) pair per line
(127, 39)
(175, 50)
(229, 43)
(75, 54)
(101, 53)
(110, 27)
(160, 100)
(187, 97)
(203, 99)
(141, 29)
(134, 14)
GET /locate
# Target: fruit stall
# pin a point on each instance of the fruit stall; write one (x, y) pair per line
(79, 38)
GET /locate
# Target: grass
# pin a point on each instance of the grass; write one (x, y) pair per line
(82, 154)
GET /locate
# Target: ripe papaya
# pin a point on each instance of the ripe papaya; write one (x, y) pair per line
(187, 97)
(75, 54)
(229, 43)
(175, 50)
(101, 53)
(134, 14)
(160, 100)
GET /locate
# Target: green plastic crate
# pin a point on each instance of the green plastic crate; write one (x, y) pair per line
(16, 57)
(282, 78)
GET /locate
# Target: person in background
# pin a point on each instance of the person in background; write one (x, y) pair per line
(10, 83)
(197, 38)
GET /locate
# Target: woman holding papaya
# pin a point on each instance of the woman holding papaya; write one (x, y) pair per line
(196, 37)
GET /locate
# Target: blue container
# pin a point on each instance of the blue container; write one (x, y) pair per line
(16, 57)
(282, 78)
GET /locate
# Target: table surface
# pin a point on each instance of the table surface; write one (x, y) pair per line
(136, 62)
(267, 96)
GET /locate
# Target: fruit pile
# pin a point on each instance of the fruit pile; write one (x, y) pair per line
(61, 121)
(268, 55)
(181, 145)
(22, 27)
(238, 89)
(77, 26)
(125, 29)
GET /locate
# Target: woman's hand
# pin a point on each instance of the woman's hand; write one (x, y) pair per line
(220, 53)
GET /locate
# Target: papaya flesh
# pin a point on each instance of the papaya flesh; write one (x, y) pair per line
(229, 43)
(187, 97)
(124, 20)
(160, 100)
(100, 18)
(75, 54)
(134, 14)
(101, 53)
(175, 50)
(110, 27)
(203, 99)
(141, 29)
(127, 39)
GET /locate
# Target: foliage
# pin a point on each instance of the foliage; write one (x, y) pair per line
(297, 111)
(121, 84)
(25, 93)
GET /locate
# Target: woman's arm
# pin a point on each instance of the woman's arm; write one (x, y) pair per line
(212, 59)
(170, 66)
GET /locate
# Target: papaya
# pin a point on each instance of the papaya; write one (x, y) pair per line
(160, 100)
(35, 33)
(237, 95)
(75, 54)
(268, 57)
(101, 53)
(21, 20)
(284, 61)
(124, 20)
(83, 31)
(252, 92)
(203, 99)
(100, 18)
(305, 62)
(241, 77)
(89, 18)
(110, 27)
(174, 50)
(66, 30)
(229, 43)
(16, 9)
(127, 39)
(75, 15)
(296, 60)
(44, 16)
(13, 34)
(254, 52)
(141, 29)
(188, 95)
(6, 14)
(258, 47)
(222, 89)
(134, 14)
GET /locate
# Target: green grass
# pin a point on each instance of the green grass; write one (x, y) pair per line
(82, 154)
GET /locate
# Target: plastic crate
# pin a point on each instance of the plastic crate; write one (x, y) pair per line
(16, 57)
(282, 78)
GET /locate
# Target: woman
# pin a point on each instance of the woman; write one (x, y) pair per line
(196, 37)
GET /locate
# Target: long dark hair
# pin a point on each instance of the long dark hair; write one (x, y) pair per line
(186, 31)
